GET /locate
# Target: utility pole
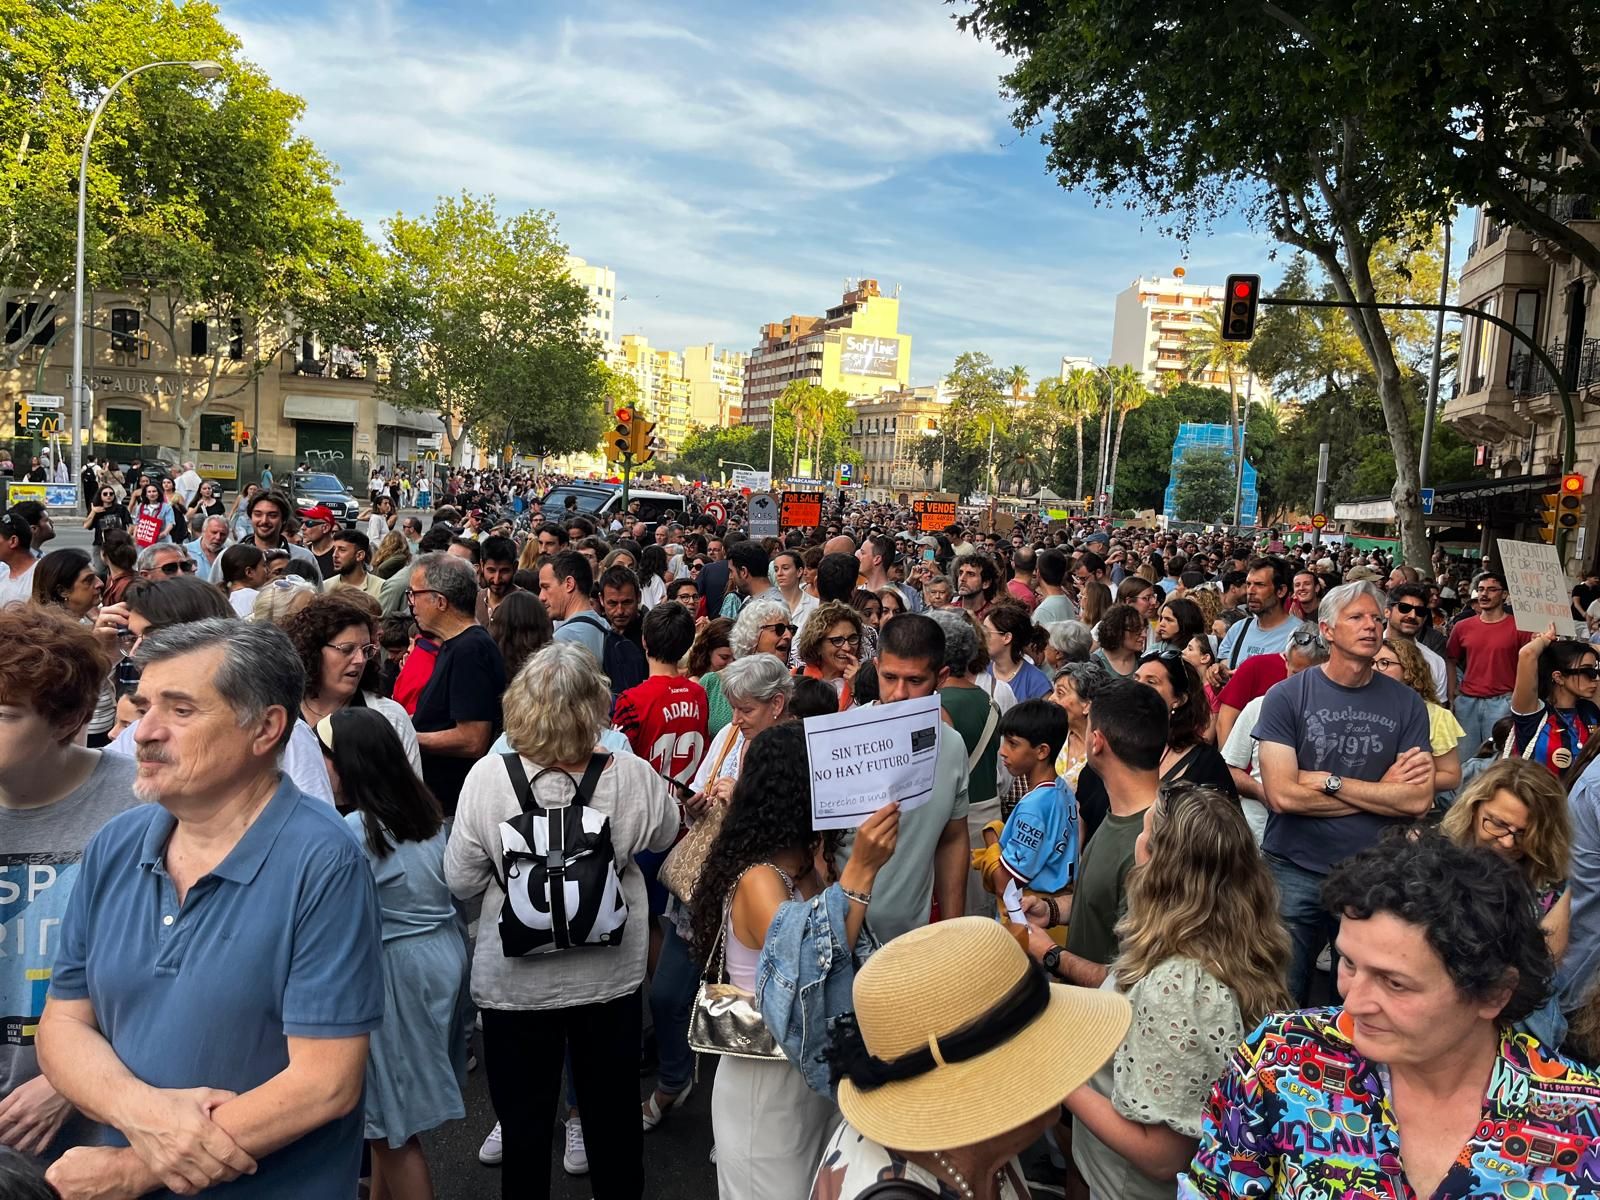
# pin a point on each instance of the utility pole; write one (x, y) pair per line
(1425, 457)
(1322, 493)
(1238, 467)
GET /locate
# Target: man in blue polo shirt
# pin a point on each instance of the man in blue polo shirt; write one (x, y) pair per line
(221, 962)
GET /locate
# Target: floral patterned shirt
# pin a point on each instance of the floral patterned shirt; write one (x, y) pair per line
(852, 1163)
(1299, 1113)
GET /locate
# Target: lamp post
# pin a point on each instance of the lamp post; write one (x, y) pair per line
(207, 69)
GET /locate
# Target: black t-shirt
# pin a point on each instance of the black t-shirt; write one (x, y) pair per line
(325, 563)
(1205, 767)
(469, 677)
(115, 517)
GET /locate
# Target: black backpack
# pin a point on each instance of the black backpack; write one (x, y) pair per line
(623, 660)
(558, 869)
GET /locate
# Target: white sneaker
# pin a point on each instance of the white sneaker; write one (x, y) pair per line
(575, 1159)
(493, 1149)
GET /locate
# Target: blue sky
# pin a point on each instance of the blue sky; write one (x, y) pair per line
(732, 163)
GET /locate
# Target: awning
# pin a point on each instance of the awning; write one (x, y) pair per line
(297, 406)
(402, 418)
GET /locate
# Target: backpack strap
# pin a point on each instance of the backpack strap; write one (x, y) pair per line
(983, 738)
(1238, 646)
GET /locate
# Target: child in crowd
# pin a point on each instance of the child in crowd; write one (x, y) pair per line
(1037, 847)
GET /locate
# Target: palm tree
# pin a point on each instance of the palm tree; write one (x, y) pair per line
(1080, 395)
(1017, 381)
(1212, 353)
(1130, 393)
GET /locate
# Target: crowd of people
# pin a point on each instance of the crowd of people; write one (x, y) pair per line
(1248, 869)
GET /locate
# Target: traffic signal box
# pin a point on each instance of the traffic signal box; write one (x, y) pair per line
(1563, 509)
(618, 440)
(1240, 298)
(631, 438)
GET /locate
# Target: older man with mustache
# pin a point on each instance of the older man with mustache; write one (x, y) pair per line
(221, 958)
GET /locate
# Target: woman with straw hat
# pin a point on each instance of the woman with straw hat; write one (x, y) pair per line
(957, 1059)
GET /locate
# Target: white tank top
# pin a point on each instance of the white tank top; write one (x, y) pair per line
(741, 959)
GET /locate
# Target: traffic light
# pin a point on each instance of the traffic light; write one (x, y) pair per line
(1239, 299)
(1548, 503)
(618, 440)
(1569, 502)
(239, 434)
(639, 438)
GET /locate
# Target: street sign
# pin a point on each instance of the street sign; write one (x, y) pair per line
(44, 400)
(1426, 495)
(800, 510)
(430, 442)
(763, 516)
(1319, 521)
(934, 515)
(716, 510)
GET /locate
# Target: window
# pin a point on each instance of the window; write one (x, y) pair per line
(199, 338)
(20, 317)
(1482, 346)
(125, 426)
(125, 330)
(236, 338)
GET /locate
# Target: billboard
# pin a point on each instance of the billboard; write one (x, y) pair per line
(873, 356)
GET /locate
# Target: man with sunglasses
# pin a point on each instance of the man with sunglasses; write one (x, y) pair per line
(1407, 617)
(1484, 649)
(164, 560)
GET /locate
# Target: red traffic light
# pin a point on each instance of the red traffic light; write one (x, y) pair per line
(1242, 290)
(1241, 296)
(1572, 484)
(624, 413)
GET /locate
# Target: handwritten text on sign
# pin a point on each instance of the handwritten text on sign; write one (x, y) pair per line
(801, 510)
(863, 758)
(934, 516)
(1538, 586)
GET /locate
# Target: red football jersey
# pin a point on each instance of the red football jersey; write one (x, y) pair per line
(664, 718)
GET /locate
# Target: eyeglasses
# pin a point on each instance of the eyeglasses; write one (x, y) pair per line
(1386, 663)
(1406, 609)
(848, 641)
(412, 593)
(351, 649)
(1499, 830)
(778, 628)
(172, 568)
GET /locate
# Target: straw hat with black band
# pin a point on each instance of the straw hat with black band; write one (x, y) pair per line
(962, 1038)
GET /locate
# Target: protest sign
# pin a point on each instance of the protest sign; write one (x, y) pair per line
(800, 510)
(863, 758)
(1539, 592)
(934, 516)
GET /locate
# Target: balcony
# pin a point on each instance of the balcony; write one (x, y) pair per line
(1580, 367)
(1570, 208)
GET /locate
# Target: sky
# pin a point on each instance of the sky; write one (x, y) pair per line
(733, 163)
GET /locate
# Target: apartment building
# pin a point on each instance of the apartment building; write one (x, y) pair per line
(664, 388)
(1153, 326)
(888, 430)
(716, 385)
(601, 285)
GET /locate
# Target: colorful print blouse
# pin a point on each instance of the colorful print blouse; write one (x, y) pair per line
(1299, 1113)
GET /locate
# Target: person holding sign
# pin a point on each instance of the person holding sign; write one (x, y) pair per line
(1552, 704)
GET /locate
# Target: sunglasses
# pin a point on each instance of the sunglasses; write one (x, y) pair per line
(1586, 672)
(1407, 609)
(173, 568)
(1301, 638)
(777, 628)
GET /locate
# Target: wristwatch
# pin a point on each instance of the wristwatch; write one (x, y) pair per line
(1052, 960)
(1332, 784)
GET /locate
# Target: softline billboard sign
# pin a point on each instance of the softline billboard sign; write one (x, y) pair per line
(874, 356)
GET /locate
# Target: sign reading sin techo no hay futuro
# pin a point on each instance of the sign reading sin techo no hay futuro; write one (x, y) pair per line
(864, 758)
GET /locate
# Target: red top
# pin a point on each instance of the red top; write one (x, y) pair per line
(1490, 650)
(414, 675)
(1255, 677)
(1021, 591)
(664, 719)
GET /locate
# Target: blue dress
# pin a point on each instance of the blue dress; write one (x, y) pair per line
(416, 1065)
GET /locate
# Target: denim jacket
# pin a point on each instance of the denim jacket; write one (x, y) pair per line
(805, 976)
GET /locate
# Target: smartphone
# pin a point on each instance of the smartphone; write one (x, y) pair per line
(928, 553)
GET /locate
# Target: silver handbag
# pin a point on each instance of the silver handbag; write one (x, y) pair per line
(725, 1019)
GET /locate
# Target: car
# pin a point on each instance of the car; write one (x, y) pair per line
(600, 502)
(308, 488)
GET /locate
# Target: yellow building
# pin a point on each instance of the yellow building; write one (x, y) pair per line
(857, 348)
(716, 385)
(888, 431)
(664, 389)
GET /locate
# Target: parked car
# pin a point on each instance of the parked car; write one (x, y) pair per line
(309, 488)
(600, 502)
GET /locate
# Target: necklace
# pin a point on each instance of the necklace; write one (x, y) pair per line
(957, 1178)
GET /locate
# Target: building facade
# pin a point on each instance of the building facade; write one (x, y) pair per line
(151, 365)
(888, 431)
(856, 347)
(1152, 330)
(601, 285)
(716, 385)
(1507, 401)
(664, 389)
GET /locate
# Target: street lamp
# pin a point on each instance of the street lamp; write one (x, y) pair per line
(206, 69)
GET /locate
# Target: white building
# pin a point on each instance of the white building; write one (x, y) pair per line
(1152, 326)
(601, 284)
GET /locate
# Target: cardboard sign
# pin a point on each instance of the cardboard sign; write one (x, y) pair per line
(1538, 587)
(934, 516)
(800, 510)
(863, 758)
(763, 516)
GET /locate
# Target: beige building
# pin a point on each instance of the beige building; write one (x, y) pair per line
(887, 430)
(1152, 325)
(664, 389)
(601, 285)
(857, 347)
(149, 367)
(1504, 399)
(716, 385)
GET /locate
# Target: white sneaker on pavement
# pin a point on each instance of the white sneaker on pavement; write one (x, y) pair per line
(493, 1149)
(575, 1159)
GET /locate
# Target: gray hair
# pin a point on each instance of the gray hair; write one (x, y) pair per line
(1307, 641)
(1071, 639)
(260, 668)
(206, 524)
(960, 639)
(1088, 678)
(1342, 597)
(452, 577)
(746, 631)
(147, 556)
(756, 677)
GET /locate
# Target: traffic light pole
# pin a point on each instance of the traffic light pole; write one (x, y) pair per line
(1569, 441)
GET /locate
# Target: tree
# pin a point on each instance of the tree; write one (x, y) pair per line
(976, 414)
(1205, 485)
(1129, 394)
(820, 419)
(1276, 126)
(485, 327)
(204, 205)
(1080, 400)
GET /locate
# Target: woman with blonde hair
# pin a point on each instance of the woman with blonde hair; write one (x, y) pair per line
(279, 599)
(1202, 962)
(586, 1001)
(393, 547)
(1400, 660)
(1518, 809)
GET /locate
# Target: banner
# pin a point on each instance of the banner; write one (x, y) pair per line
(934, 516)
(800, 510)
(756, 481)
(217, 464)
(866, 757)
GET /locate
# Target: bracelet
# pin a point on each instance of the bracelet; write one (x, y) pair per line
(1055, 912)
(861, 898)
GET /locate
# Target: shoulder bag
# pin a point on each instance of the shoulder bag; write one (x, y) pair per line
(725, 1019)
(680, 870)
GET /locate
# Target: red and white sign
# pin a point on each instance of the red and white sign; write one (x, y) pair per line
(716, 510)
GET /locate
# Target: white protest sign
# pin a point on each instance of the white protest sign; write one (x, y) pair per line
(1538, 587)
(863, 758)
(756, 481)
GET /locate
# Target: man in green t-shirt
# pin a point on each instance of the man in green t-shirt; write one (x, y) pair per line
(1127, 734)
